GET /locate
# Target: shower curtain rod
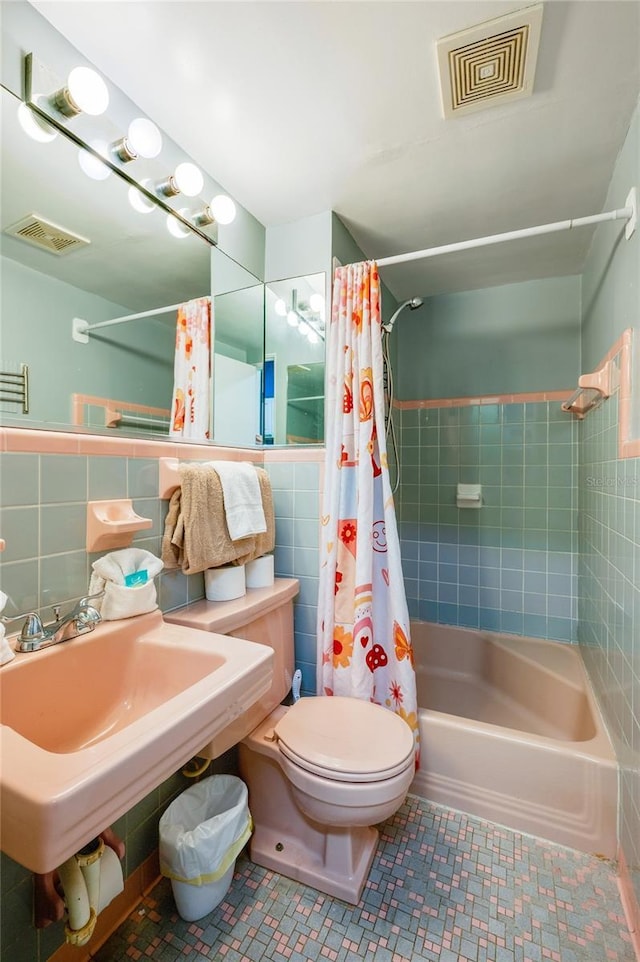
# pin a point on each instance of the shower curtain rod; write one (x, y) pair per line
(80, 328)
(627, 213)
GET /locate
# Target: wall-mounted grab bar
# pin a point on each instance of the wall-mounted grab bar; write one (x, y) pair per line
(14, 387)
(592, 389)
(116, 419)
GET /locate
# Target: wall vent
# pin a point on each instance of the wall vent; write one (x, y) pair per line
(44, 234)
(490, 64)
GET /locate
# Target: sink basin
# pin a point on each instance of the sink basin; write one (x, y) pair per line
(90, 726)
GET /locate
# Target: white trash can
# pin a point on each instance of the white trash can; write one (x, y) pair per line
(201, 834)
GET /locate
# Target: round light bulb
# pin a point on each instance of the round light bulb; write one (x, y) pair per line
(91, 165)
(304, 328)
(312, 337)
(280, 308)
(316, 303)
(138, 200)
(175, 227)
(34, 126)
(144, 137)
(293, 319)
(189, 179)
(88, 91)
(223, 209)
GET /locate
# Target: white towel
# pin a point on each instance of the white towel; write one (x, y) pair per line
(242, 499)
(6, 651)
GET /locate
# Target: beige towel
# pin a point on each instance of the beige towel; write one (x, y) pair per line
(196, 535)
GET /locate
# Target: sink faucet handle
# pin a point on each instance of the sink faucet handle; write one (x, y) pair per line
(85, 601)
(32, 619)
(32, 629)
(83, 604)
(88, 615)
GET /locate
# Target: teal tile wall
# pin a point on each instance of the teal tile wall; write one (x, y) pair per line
(43, 520)
(296, 495)
(512, 565)
(609, 579)
(609, 608)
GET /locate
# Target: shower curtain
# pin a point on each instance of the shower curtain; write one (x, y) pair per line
(364, 646)
(191, 401)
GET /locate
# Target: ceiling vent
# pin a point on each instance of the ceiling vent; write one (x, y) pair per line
(490, 64)
(43, 234)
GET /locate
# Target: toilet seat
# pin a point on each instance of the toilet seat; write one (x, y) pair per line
(345, 739)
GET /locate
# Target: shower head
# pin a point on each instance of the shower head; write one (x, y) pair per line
(413, 304)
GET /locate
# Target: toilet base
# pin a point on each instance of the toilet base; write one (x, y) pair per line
(333, 859)
(338, 868)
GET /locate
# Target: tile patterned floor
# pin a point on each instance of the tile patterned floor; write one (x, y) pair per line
(443, 886)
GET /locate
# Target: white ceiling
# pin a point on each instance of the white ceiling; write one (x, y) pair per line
(302, 107)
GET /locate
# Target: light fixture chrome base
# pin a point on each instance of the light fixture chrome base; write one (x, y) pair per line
(204, 217)
(168, 188)
(124, 151)
(64, 103)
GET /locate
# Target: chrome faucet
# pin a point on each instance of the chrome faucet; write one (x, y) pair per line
(81, 619)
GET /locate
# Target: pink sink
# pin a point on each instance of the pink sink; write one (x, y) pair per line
(90, 726)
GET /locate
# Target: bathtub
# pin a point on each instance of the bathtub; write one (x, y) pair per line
(511, 732)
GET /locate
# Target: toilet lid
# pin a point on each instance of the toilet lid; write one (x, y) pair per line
(345, 739)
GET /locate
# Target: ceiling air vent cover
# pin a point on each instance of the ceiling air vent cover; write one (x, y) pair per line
(42, 233)
(490, 64)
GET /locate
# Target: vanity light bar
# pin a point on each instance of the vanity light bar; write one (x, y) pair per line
(38, 78)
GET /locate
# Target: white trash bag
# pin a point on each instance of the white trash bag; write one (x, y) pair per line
(201, 834)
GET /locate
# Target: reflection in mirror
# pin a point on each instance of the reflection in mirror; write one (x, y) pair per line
(237, 363)
(113, 262)
(83, 251)
(294, 360)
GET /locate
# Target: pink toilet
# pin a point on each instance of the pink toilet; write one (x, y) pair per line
(319, 773)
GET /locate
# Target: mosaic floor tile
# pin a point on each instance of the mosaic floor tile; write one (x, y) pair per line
(444, 887)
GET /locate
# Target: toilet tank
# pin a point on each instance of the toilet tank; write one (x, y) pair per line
(263, 615)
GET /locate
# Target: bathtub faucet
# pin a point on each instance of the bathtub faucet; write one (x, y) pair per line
(81, 619)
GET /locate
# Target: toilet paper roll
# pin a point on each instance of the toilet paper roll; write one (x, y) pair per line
(111, 880)
(225, 584)
(260, 572)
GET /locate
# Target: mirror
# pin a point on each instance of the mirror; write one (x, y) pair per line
(82, 251)
(294, 355)
(239, 344)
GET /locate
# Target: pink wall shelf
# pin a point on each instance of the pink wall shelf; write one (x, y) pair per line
(112, 524)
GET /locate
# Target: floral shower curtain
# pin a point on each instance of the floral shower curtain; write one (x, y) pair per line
(191, 401)
(363, 623)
